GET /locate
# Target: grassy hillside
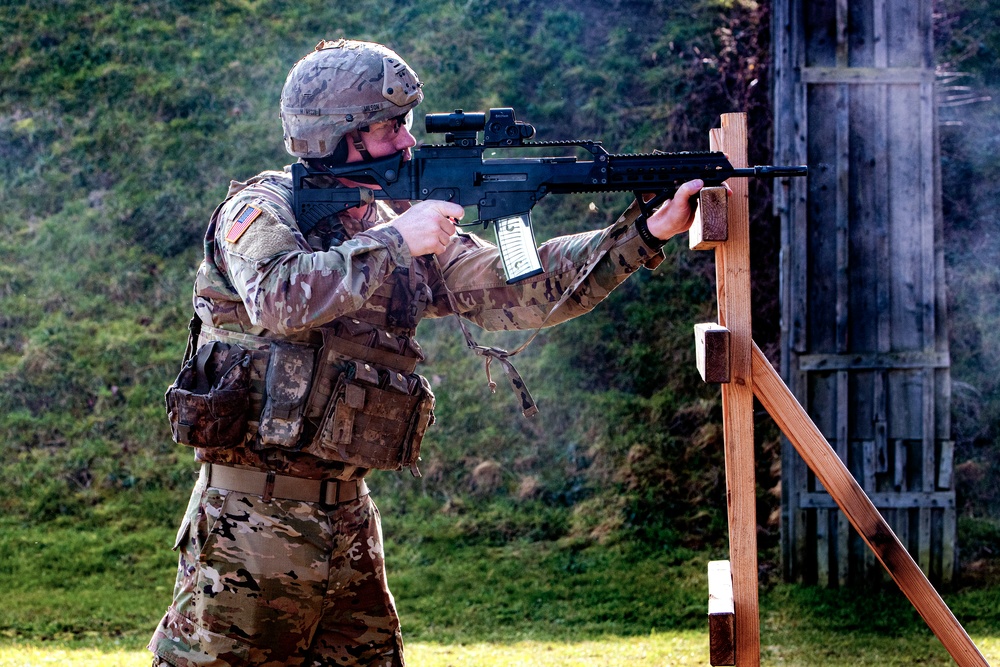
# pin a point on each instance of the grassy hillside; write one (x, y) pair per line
(121, 124)
(120, 127)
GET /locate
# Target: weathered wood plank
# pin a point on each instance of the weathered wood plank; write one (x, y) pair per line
(928, 278)
(721, 613)
(905, 215)
(945, 471)
(842, 209)
(843, 451)
(864, 216)
(820, 260)
(867, 75)
(843, 25)
(948, 529)
(880, 45)
(928, 467)
(879, 421)
(823, 547)
(900, 476)
(885, 500)
(711, 221)
(712, 352)
(874, 360)
(816, 451)
(908, 44)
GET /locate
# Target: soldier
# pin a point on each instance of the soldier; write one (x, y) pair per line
(310, 336)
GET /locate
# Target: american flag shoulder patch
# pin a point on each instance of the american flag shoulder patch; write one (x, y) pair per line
(242, 222)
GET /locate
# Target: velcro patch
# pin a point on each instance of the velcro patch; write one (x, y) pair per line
(242, 222)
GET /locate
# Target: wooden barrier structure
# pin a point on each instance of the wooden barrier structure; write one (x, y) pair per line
(864, 314)
(726, 350)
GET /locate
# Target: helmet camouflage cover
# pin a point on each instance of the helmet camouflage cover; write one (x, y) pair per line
(342, 86)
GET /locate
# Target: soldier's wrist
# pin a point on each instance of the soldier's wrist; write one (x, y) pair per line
(642, 227)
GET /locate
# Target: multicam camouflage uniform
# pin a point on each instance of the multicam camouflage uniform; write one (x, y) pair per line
(291, 583)
(264, 580)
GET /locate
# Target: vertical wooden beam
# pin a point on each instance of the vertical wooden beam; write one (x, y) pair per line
(790, 202)
(839, 539)
(843, 548)
(732, 260)
(929, 468)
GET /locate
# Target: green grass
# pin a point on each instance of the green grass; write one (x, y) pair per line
(89, 592)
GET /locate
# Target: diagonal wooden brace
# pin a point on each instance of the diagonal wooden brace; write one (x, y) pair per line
(822, 459)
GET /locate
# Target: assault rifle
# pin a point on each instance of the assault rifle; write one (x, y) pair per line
(506, 188)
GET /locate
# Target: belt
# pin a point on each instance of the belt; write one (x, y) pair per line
(269, 485)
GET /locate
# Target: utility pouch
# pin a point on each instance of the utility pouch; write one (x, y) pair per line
(376, 418)
(208, 405)
(286, 388)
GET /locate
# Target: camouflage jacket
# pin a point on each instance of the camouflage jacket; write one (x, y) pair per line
(261, 276)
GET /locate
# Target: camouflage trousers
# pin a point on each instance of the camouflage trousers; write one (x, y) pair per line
(280, 582)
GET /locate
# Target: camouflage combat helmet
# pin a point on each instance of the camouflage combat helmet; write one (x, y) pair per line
(340, 87)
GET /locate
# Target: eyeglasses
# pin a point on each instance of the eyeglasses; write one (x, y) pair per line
(383, 129)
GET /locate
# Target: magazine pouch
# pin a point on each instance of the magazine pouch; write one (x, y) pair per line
(208, 405)
(286, 389)
(376, 418)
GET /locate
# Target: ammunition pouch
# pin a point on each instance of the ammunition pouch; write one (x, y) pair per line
(353, 398)
(375, 419)
(208, 405)
(286, 389)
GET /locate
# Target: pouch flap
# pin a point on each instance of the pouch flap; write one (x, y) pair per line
(354, 327)
(365, 373)
(354, 396)
(398, 382)
(387, 341)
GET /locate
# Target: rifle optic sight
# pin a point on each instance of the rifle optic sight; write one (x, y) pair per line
(499, 127)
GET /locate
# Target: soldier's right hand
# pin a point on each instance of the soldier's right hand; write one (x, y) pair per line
(427, 227)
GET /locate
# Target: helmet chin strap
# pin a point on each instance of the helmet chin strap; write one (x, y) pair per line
(359, 146)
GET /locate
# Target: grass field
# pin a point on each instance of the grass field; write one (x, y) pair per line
(85, 595)
(675, 649)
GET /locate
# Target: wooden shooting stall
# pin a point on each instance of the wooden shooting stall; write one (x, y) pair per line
(727, 354)
(865, 346)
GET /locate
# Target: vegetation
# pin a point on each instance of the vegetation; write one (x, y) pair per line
(969, 61)
(121, 124)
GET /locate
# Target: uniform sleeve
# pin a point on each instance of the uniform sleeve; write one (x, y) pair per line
(284, 284)
(473, 271)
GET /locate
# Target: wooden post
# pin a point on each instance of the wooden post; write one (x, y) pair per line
(732, 267)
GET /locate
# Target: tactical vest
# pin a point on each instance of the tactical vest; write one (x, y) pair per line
(343, 392)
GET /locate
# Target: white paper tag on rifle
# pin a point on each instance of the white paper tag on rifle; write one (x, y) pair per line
(516, 241)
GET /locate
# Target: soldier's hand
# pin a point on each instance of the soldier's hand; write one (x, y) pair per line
(676, 214)
(427, 227)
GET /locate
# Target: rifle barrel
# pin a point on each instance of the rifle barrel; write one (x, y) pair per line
(771, 171)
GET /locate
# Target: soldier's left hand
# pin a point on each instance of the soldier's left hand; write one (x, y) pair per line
(676, 214)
